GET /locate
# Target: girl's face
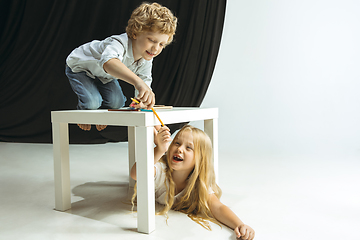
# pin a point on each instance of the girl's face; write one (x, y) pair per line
(148, 45)
(181, 152)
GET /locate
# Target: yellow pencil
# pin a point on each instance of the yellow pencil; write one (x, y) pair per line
(162, 124)
(135, 100)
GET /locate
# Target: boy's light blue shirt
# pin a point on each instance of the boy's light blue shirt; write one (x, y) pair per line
(90, 58)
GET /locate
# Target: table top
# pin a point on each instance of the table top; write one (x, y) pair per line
(134, 118)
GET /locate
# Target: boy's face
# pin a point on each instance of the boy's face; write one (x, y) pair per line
(148, 45)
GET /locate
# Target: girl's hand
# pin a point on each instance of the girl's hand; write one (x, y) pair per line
(156, 129)
(163, 138)
(244, 232)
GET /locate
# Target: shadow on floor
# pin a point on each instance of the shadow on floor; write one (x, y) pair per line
(110, 202)
(102, 201)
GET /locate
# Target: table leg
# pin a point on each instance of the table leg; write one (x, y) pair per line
(211, 128)
(61, 166)
(144, 142)
(131, 151)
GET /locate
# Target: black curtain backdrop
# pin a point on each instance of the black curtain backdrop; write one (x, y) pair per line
(36, 37)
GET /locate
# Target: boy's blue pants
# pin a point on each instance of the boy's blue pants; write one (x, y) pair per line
(93, 94)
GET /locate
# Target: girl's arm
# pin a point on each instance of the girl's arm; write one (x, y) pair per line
(224, 214)
(162, 140)
(116, 68)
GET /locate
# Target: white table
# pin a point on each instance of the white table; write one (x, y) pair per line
(141, 149)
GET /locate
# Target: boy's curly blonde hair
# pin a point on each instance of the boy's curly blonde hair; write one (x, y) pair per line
(152, 17)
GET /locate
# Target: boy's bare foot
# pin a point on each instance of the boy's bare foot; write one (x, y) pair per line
(85, 127)
(100, 127)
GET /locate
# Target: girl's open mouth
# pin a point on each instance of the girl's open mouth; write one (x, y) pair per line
(177, 159)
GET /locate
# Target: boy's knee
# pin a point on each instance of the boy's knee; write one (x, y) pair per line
(117, 102)
(92, 104)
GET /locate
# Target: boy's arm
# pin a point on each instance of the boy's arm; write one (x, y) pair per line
(116, 68)
(162, 139)
(224, 214)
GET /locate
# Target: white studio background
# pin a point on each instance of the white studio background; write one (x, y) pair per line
(287, 78)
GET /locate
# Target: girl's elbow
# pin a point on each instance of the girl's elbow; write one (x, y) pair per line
(133, 172)
(133, 175)
(214, 202)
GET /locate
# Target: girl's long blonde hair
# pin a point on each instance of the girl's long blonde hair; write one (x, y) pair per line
(201, 181)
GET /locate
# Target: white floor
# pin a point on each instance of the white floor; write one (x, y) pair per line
(281, 197)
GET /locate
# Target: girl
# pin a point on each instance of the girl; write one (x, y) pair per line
(185, 179)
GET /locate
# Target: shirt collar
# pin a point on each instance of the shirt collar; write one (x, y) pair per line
(131, 55)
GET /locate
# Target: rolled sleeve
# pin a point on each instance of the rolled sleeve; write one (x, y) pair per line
(112, 48)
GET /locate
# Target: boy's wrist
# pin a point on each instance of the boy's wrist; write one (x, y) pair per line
(137, 82)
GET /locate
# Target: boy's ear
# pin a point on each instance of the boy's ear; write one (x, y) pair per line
(134, 36)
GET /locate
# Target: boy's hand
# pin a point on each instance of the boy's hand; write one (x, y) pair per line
(146, 96)
(117, 69)
(137, 105)
(244, 232)
(163, 138)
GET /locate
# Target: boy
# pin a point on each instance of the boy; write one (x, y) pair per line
(93, 68)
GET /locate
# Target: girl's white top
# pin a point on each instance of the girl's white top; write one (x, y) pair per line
(160, 187)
